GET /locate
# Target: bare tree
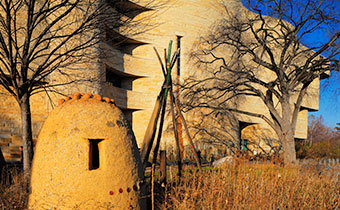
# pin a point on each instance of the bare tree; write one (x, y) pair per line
(322, 141)
(219, 129)
(318, 131)
(42, 38)
(267, 58)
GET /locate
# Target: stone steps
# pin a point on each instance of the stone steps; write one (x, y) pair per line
(11, 148)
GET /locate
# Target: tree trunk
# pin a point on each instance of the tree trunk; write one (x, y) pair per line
(287, 133)
(288, 146)
(27, 142)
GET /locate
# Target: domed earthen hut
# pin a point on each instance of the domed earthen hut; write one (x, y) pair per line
(86, 157)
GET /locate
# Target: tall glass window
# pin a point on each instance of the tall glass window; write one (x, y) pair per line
(179, 56)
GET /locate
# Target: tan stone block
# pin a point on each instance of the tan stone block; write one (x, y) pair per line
(16, 140)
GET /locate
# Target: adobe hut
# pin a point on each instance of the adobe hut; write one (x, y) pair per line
(86, 157)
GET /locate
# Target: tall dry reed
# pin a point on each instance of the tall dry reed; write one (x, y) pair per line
(255, 186)
(14, 191)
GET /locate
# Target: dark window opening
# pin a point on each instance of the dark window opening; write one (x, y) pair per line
(94, 161)
(243, 142)
(117, 79)
(113, 79)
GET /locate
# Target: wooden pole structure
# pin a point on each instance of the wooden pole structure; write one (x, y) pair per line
(167, 86)
(159, 112)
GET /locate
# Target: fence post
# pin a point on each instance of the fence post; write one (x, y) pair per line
(163, 167)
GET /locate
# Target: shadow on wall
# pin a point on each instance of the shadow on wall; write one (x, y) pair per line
(220, 133)
(259, 140)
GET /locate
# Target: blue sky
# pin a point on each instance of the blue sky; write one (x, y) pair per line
(329, 101)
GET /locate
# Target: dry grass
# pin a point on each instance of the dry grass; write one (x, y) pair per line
(14, 191)
(250, 186)
(237, 186)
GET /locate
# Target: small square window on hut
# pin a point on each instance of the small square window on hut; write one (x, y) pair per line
(94, 161)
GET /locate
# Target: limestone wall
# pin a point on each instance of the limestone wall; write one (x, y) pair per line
(178, 18)
(130, 71)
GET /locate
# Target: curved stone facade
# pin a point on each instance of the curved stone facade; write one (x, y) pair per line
(130, 73)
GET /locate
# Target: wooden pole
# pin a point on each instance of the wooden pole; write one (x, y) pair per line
(174, 121)
(151, 129)
(168, 69)
(197, 158)
(163, 167)
(160, 61)
(179, 124)
(160, 131)
(153, 187)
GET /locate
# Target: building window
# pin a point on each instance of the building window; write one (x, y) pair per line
(114, 79)
(94, 161)
(118, 79)
(179, 55)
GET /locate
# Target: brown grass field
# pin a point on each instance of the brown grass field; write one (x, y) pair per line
(234, 186)
(256, 186)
